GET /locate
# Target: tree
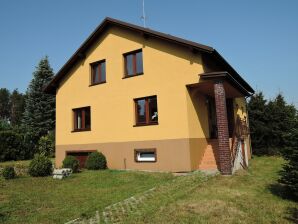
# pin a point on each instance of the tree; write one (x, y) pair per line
(270, 122)
(17, 107)
(4, 104)
(289, 174)
(257, 122)
(280, 122)
(46, 144)
(39, 115)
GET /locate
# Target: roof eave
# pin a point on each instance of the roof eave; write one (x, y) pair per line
(80, 53)
(239, 78)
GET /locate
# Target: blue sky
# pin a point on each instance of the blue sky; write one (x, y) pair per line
(258, 38)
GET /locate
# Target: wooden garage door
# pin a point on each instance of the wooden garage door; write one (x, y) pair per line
(81, 156)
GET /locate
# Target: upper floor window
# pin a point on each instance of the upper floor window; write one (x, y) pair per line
(146, 110)
(82, 119)
(98, 72)
(133, 63)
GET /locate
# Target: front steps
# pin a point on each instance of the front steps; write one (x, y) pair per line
(209, 158)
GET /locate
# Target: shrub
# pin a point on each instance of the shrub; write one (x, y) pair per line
(10, 145)
(4, 125)
(71, 162)
(30, 140)
(40, 166)
(8, 172)
(96, 161)
(46, 145)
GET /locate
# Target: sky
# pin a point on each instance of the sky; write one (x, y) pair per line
(259, 38)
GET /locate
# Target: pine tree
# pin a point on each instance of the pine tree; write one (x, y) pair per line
(39, 115)
(281, 119)
(17, 107)
(270, 123)
(4, 103)
(289, 174)
(257, 122)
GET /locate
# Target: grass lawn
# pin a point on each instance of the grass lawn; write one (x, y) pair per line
(251, 196)
(44, 200)
(20, 163)
(247, 197)
(24, 163)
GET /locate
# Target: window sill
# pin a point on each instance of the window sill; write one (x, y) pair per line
(129, 76)
(80, 130)
(97, 83)
(140, 125)
(138, 161)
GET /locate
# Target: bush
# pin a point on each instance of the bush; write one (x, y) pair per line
(46, 145)
(40, 166)
(8, 172)
(96, 161)
(10, 146)
(30, 140)
(71, 162)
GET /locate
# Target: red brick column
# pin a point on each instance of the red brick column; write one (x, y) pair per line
(224, 153)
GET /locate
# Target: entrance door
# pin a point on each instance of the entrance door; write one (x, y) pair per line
(212, 117)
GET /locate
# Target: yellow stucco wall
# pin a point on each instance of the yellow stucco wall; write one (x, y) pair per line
(182, 114)
(241, 110)
(240, 107)
(167, 69)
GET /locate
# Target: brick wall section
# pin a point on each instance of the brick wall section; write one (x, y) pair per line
(210, 158)
(224, 154)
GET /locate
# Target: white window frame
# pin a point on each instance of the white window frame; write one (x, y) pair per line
(139, 158)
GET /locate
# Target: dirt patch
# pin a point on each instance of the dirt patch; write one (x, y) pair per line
(218, 210)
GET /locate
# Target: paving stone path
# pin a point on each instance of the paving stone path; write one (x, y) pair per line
(115, 213)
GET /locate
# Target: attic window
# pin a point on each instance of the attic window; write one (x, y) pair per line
(98, 72)
(133, 62)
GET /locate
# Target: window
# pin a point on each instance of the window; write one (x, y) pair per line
(146, 110)
(82, 119)
(145, 155)
(133, 63)
(98, 72)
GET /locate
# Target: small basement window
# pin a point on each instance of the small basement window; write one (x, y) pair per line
(145, 155)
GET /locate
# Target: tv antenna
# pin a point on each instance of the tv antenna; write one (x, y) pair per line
(143, 17)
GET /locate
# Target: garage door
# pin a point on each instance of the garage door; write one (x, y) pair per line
(81, 157)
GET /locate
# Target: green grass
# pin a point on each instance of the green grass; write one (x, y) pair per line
(251, 196)
(246, 197)
(44, 200)
(24, 163)
(20, 163)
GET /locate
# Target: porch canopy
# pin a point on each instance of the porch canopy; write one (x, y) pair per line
(232, 87)
(221, 85)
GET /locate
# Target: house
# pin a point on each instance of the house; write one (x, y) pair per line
(150, 101)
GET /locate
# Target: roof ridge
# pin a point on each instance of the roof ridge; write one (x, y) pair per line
(79, 53)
